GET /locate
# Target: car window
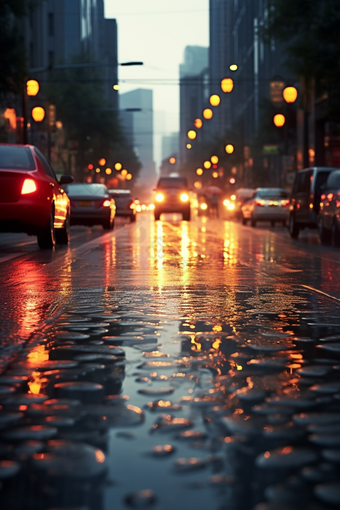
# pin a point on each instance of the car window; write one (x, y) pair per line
(16, 158)
(172, 182)
(78, 190)
(46, 166)
(333, 181)
(303, 182)
(272, 193)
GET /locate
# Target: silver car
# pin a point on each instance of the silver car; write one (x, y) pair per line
(91, 204)
(266, 204)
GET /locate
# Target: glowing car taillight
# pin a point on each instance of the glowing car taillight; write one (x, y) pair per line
(184, 197)
(261, 203)
(106, 203)
(285, 203)
(29, 186)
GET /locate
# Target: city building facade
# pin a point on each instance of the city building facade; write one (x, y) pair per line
(194, 92)
(136, 114)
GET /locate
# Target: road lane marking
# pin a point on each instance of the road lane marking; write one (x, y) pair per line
(329, 296)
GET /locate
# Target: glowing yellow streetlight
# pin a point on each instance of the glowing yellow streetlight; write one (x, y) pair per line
(215, 175)
(207, 164)
(215, 100)
(124, 172)
(198, 123)
(214, 160)
(172, 161)
(97, 170)
(290, 94)
(129, 177)
(116, 87)
(102, 161)
(229, 148)
(188, 146)
(199, 171)
(108, 171)
(279, 120)
(38, 114)
(227, 85)
(208, 113)
(198, 185)
(118, 166)
(32, 87)
(233, 67)
(192, 134)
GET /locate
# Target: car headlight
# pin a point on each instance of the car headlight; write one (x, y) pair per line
(226, 202)
(184, 197)
(231, 206)
(159, 197)
(204, 207)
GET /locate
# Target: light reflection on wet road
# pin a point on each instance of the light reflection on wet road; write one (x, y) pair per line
(166, 363)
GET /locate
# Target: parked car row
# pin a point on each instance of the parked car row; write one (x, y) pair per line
(313, 203)
(33, 201)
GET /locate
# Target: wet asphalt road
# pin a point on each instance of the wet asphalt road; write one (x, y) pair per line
(171, 365)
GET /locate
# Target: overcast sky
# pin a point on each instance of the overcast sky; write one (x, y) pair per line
(156, 33)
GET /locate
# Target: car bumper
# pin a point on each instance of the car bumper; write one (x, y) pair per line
(270, 214)
(24, 216)
(89, 217)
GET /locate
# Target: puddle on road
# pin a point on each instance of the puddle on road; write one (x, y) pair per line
(127, 406)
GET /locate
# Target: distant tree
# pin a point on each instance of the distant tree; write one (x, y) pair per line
(89, 122)
(12, 55)
(309, 30)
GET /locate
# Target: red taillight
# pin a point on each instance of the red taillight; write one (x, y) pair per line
(330, 196)
(29, 186)
(285, 203)
(261, 203)
(323, 196)
(106, 203)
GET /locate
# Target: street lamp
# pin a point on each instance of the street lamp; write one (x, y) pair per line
(208, 113)
(192, 134)
(279, 120)
(229, 148)
(227, 85)
(215, 100)
(32, 88)
(38, 114)
(214, 160)
(118, 166)
(199, 171)
(290, 94)
(207, 164)
(172, 160)
(233, 67)
(198, 123)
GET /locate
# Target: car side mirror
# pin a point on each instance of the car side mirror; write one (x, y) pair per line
(66, 179)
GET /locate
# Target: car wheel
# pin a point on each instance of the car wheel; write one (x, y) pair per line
(157, 215)
(186, 216)
(46, 237)
(294, 229)
(253, 222)
(335, 234)
(108, 224)
(243, 220)
(62, 235)
(324, 233)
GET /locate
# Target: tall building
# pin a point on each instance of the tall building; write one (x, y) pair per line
(170, 145)
(194, 91)
(261, 75)
(136, 113)
(59, 31)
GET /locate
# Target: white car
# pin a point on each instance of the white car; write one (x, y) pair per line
(266, 204)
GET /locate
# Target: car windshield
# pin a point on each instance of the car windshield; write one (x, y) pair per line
(78, 190)
(16, 158)
(272, 193)
(172, 182)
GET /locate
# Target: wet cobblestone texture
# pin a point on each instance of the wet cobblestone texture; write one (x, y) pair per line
(173, 374)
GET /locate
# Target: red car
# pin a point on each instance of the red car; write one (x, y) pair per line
(31, 198)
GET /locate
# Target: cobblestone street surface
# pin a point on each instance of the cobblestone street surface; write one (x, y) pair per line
(173, 366)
